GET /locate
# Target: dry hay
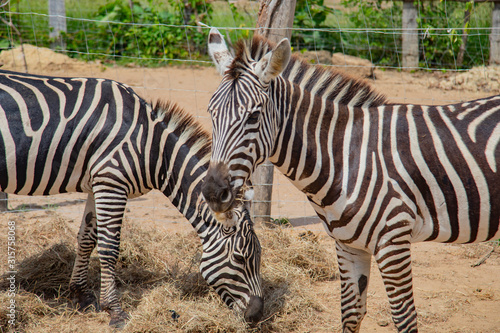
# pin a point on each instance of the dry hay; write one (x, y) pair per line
(160, 284)
(482, 78)
(40, 60)
(477, 250)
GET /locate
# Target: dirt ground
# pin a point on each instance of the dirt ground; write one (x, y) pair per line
(450, 295)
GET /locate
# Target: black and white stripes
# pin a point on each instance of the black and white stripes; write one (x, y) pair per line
(97, 136)
(381, 176)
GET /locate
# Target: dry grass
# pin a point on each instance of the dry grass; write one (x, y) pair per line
(160, 286)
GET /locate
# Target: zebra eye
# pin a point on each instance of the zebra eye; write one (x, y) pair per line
(254, 116)
(239, 258)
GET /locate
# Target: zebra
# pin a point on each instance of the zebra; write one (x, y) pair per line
(380, 176)
(99, 137)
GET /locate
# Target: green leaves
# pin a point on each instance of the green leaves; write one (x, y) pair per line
(309, 15)
(159, 31)
(144, 33)
(441, 26)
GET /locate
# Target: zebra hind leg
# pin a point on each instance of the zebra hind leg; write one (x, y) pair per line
(394, 262)
(79, 289)
(110, 207)
(354, 267)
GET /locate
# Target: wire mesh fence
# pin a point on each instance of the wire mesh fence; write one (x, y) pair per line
(158, 48)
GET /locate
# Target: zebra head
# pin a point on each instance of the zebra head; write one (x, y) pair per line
(244, 117)
(230, 264)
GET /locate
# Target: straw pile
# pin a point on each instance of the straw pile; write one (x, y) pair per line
(160, 285)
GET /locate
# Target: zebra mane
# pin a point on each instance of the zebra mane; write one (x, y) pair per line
(328, 83)
(186, 127)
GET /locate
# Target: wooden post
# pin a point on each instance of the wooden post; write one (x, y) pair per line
(495, 35)
(3, 202)
(410, 36)
(275, 22)
(262, 180)
(275, 19)
(57, 22)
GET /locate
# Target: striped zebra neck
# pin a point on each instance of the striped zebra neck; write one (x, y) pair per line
(326, 83)
(185, 153)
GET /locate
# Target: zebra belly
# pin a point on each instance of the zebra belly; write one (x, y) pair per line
(421, 229)
(28, 168)
(35, 185)
(446, 215)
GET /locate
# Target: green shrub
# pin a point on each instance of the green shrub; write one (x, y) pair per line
(141, 33)
(309, 15)
(440, 24)
(148, 32)
(380, 45)
(158, 31)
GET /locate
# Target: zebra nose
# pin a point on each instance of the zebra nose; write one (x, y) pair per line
(255, 309)
(225, 195)
(216, 188)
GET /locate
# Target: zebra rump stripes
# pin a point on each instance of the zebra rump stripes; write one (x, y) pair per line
(97, 136)
(381, 176)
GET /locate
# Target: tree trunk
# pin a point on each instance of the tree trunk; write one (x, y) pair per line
(275, 22)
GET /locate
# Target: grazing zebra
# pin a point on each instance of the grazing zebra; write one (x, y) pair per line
(380, 176)
(97, 136)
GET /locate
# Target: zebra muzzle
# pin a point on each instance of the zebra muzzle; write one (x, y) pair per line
(255, 309)
(217, 189)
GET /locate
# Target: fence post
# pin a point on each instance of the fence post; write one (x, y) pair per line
(495, 35)
(4, 202)
(57, 22)
(410, 35)
(274, 22)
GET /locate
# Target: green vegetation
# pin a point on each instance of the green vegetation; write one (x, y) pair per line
(309, 15)
(155, 32)
(141, 32)
(122, 31)
(228, 15)
(283, 221)
(440, 36)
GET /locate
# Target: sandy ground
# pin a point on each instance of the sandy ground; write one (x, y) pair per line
(450, 295)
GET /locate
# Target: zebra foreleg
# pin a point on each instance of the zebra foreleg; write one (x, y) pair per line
(87, 237)
(394, 261)
(110, 207)
(354, 267)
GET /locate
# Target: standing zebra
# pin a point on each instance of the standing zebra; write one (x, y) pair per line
(97, 136)
(380, 176)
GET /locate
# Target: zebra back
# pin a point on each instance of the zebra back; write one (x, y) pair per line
(57, 132)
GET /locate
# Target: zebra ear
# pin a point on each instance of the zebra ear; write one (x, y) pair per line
(274, 62)
(218, 50)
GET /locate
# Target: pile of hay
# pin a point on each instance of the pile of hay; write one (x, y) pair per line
(161, 287)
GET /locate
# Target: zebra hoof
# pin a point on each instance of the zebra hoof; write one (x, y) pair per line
(119, 319)
(86, 301)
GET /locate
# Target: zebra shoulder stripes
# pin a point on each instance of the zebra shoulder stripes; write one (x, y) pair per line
(97, 136)
(381, 176)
